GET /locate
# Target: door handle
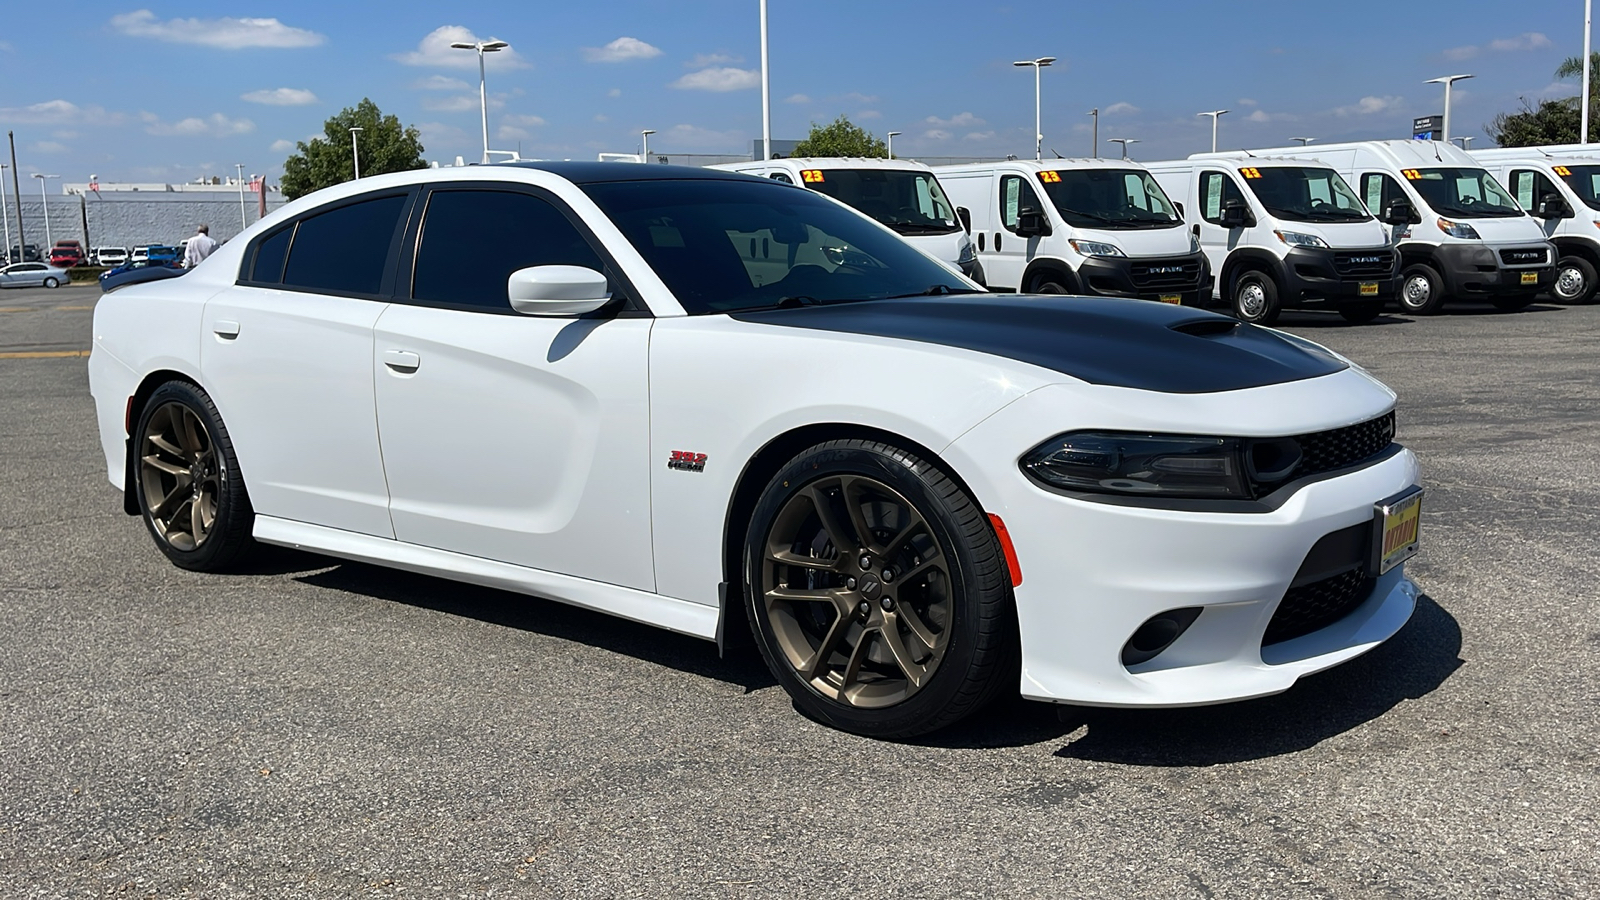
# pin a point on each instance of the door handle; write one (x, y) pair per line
(997, 242)
(402, 360)
(225, 329)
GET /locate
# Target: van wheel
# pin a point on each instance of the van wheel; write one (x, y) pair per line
(1046, 284)
(1575, 280)
(1255, 298)
(1421, 290)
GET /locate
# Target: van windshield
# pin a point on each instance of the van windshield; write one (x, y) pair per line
(1584, 181)
(1305, 194)
(1469, 193)
(1109, 198)
(907, 201)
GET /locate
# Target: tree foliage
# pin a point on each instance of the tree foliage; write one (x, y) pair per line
(385, 145)
(840, 138)
(1552, 121)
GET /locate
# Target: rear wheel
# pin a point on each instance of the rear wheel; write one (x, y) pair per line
(1361, 313)
(1575, 280)
(187, 482)
(51, 283)
(1421, 290)
(1255, 298)
(877, 591)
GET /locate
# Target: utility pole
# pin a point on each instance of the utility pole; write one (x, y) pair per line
(5, 210)
(16, 191)
(1588, 8)
(1094, 143)
(243, 222)
(766, 90)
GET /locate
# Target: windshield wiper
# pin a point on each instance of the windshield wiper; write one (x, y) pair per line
(937, 290)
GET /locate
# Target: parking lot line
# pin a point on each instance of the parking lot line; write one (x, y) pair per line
(43, 354)
(74, 308)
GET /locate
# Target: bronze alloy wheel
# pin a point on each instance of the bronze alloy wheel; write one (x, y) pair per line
(180, 476)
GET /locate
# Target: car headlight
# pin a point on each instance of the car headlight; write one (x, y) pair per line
(1157, 465)
(968, 253)
(1298, 239)
(1095, 248)
(1458, 229)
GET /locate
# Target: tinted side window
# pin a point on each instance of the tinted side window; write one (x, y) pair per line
(472, 240)
(780, 176)
(268, 266)
(344, 249)
(1531, 187)
(1216, 189)
(1378, 191)
(1016, 195)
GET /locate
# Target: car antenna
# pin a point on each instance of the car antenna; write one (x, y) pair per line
(1057, 153)
(1248, 153)
(1436, 155)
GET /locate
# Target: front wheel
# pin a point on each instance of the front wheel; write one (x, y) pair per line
(1575, 280)
(877, 591)
(1421, 290)
(187, 480)
(1255, 298)
(51, 283)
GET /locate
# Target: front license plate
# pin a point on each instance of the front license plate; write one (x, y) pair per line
(1369, 289)
(1399, 522)
(1530, 277)
(1172, 298)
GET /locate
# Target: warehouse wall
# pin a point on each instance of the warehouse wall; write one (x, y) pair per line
(130, 219)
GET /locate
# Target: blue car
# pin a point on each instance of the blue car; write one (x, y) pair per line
(140, 270)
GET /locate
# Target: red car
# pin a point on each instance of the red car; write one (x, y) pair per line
(66, 257)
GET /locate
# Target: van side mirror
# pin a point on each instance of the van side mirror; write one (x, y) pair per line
(1553, 207)
(1032, 223)
(1235, 214)
(1399, 212)
(965, 215)
(557, 290)
(1179, 207)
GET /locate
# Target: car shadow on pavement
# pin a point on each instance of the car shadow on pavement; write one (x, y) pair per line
(546, 617)
(1304, 319)
(1486, 309)
(1412, 664)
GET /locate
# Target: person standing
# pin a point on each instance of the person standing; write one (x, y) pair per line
(200, 246)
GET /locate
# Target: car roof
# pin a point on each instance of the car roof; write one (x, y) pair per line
(599, 172)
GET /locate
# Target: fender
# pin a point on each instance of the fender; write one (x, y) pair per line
(1069, 275)
(1248, 257)
(1577, 246)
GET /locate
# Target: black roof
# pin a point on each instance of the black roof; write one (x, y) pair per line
(595, 172)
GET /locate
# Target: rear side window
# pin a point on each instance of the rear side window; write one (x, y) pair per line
(472, 240)
(344, 250)
(270, 253)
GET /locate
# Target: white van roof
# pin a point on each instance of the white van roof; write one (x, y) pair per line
(1045, 165)
(1567, 152)
(827, 162)
(1400, 154)
(1239, 157)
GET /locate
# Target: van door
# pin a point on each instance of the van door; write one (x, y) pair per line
(1216, 189)
(1011, 251)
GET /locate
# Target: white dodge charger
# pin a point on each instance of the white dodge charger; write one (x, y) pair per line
(703, 401)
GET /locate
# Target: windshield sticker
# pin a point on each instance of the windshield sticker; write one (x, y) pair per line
(1050, 177)
(1411, 174)
(1250, 172)
(811, 176)
(1563, 171)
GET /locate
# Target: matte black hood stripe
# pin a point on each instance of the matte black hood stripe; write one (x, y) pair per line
(1122, 343)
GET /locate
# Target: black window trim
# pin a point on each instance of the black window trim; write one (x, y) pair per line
(386, 288)
(1000, 198)
(632, 306)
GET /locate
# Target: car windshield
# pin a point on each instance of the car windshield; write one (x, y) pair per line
(1109, 198)
(1304, 194)
(908, 201)
(1584, 181)
(726, 246)
(1468, 193)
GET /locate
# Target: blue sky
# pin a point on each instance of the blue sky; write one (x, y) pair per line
(169, 92)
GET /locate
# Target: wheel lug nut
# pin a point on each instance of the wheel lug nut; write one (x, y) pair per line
(866, 561)
(865, 607)
(888, 604)
(850, 583)
(888, 575)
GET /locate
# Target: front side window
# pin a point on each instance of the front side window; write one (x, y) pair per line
(472, 240)
(1584, 181)
(1304, 194)
(1016, 196)
(1531, 187)
(346, 249)
(1217, 190)
(1379, 190)
(1469, 193)
(1109, 198)
(910, 202)
(727, 246)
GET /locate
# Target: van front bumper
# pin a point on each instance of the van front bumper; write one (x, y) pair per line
(1147, 278)
(1495, 270)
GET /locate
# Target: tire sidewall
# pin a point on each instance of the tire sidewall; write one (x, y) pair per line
(1269, 291)
(232, 505)
(1585, 270)
(1435, 290)
(51, 283)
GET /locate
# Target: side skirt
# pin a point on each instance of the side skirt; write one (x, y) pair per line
(694, 619)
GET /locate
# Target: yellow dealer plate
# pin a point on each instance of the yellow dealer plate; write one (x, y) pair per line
(1369, 289)
(1530, 277)
(1172, 298)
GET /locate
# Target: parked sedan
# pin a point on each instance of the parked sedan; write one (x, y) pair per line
(707, 402)
(33, 274)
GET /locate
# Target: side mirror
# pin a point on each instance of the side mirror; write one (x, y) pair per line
(557, 290)
(1399, 212)
(1032, 223)
(1236, 215)
(965, 215)
(1179, 207)
(1553, 207)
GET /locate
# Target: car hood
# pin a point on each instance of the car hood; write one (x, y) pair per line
(1123, 343)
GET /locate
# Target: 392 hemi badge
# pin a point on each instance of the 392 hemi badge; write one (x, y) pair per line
(687, 461)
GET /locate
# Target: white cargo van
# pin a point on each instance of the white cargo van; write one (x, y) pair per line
(1560, 186)
(1077, 226)
(902, 194)
(1284, 234)
(1468, 238)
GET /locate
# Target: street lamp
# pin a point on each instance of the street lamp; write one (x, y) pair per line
(1303, 140)
(45, 197)
(891, 142)
(1215, 114)
(5, 257)
(1446, 80)
(1466, 141)
(644, 144)
(766, 90)
(1124, 142)
(1094, 137)
(482, 47)
(355, 154)
(1038, 133)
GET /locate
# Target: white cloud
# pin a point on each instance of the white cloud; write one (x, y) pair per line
(866, 114)
(1116, 108)
(457, 103)
(1245, 101)
(280, 97)
(435, 133)
(64, 135)
(797, 98)
(1368, 105)
(49, 147)
(1261, 115)
(1460, 53)
(980, 135)
(435, 51)
(60, 112)
(518, 120)
(704, 60)
(439, 83)
(691, 137)
(601, 117)
(1528, 40)
(863, 99)
(281, 146)
(718, 79)
(215, 125)
(614, 92)
(508, 133)
(959, 120)
(227, 33)
(936, 134)
(623, 49)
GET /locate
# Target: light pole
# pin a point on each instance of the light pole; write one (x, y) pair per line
(766, 90)
(1466, 141)
(891, 142)
(482, 47)
(1303, 140)
(5, 257)
(355, 153)
(45, 197)
(243, 222)
(1446, 80)
(644, 144)
(1038, 132)
(1094, 141)
(1588, 8)
(1215, 114)
(1124, 142)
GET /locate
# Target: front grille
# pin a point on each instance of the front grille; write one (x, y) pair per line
(1524, 257)
(1325, 451)
(1312, 607)
(1154, 274)
(1364, 264)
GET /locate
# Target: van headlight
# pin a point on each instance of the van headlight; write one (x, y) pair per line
(1194, 242)
(1146, 465)
(1458, 229)
(968, 253)
(1299, 239)
(1095, 248)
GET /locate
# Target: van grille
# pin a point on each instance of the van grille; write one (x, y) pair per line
(1153, 274)
(1365, 263)
(1523, 257)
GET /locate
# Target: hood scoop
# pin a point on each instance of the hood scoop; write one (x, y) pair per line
(1208, 327)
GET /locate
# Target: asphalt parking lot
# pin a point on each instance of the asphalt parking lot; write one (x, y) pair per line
(314, 728)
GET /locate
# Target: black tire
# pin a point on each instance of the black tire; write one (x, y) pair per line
(1575, 280)
(970, 599)
(1255, 298)
(1361, 313)
(1512, 303)
(1047, 284)
(213, 477)
(51, 283)
(1421, 290)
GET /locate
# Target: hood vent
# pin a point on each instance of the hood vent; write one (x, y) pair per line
(1206, 327)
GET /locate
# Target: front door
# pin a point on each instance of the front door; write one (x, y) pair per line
(1011, 251)
(1217, 240)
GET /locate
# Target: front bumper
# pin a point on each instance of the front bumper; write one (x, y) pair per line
(1481, 270)
(1146, 278)
(1094, 572)
(973, 270)
(1312, 277)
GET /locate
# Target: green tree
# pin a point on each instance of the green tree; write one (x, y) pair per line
(1572, 67)
(1551, 122)
(385, 145)
(840, 138)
